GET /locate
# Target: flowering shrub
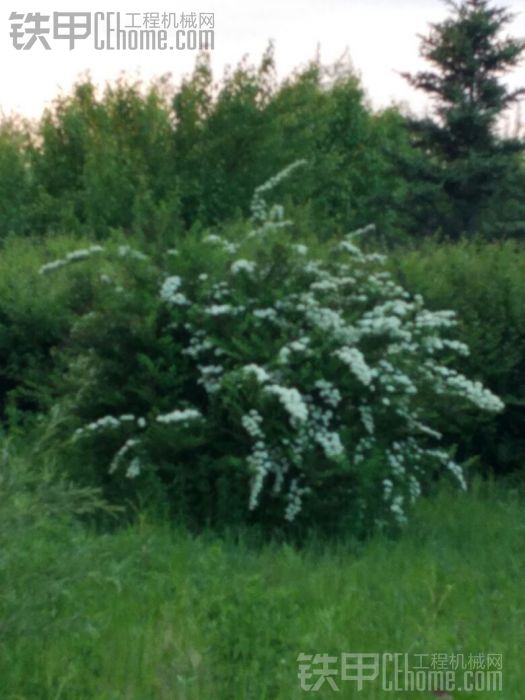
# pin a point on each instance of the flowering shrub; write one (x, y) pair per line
(255, 372)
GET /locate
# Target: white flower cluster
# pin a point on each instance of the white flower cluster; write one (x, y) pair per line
(261, 464)
(354, 359)
(331, 443)
(113, 423)
(74, 256)
(169, 291)
(220, 310)
(227, 246)
(393, 379)
(269, 314)
(125, 251)
(436, 319)
(242, 266)
(449, 381)
(328, 320)
(133, 469)
(301, 345)
(179, 416)
(397, 509)
(259, 208)
(367, 418)
(295, 500)
(109, 423)
(348, 247)
(220, 291)
(434, 343)
(121, 454)
(328, 392)
(252, 422)
(292, 401)
(198, 345)
(260, 373)
(213, 238)
(210, 377)
(300, 249)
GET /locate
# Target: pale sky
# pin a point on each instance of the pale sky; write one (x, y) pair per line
(380, 37)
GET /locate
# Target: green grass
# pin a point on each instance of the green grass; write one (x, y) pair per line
(149, 613)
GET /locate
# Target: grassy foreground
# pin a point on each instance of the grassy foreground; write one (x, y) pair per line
(152, 614)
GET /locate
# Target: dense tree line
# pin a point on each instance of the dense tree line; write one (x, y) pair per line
(162, 159)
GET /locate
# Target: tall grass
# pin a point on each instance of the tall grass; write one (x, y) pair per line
(152, 613)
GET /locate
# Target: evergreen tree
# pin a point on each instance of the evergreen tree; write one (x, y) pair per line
(470, 169)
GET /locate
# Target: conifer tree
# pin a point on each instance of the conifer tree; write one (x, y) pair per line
(470, 167)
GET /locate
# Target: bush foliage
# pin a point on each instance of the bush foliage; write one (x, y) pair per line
(485, 284)
(34, 319)
(264, 377)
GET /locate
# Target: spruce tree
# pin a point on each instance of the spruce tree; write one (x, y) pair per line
(469, 169)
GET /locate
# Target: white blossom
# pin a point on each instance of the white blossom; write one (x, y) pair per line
(291, 400)
(260, 373)
(179, 416)
(354, 359)
(74, 256)
(127, 251)
(134, 468)
(242, 266)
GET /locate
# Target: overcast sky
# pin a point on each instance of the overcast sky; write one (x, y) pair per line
(379, 35)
